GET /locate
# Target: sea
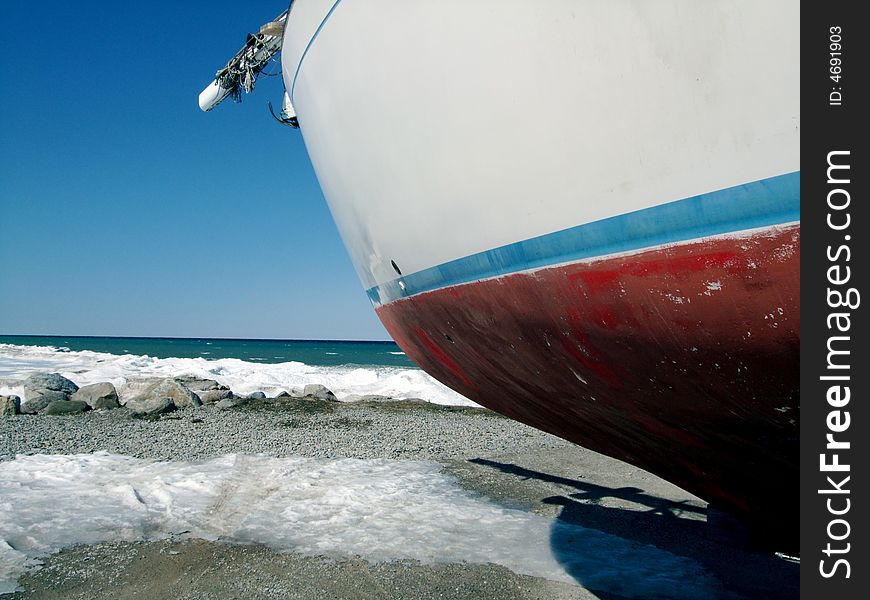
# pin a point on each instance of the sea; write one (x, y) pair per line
(349, 368)
(313, 352)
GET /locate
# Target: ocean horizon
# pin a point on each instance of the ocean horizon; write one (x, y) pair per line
(312, 352)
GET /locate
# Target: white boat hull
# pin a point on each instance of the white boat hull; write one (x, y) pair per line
(583, 214)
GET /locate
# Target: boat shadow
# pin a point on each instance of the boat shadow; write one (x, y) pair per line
(673, 526)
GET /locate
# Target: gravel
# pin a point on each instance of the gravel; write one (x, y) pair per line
(200, 570)
(504, 460)
(313, 428)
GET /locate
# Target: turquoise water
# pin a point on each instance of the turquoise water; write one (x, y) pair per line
(312, 352)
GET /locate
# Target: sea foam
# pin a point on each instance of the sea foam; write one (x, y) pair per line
(243, 377)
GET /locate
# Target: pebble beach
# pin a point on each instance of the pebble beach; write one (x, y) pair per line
(120, 479)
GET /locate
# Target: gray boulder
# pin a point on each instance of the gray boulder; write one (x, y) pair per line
(231, 402)
(256, 396)
(65, 407)
(212, 396)
(151, 405)
(98, 395)
(198, 384)
(9, 406)
(176, 391)
(38, 402)
(321, 392)
(47, 382)
(283, 394)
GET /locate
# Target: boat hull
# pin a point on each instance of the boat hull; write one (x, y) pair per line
(583, 214)
(682, 360)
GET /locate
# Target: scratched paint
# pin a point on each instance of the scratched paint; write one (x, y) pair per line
(682, 360)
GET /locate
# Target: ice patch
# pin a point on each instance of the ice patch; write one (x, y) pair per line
(378, 509)
(243, 377)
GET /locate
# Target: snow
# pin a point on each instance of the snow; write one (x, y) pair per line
(378, 509)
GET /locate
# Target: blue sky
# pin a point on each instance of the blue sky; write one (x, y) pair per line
(124, 210)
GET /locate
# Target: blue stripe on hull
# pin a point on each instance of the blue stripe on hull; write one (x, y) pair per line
(761, 203)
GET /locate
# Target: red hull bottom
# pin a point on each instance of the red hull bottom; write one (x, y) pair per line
(682, 360)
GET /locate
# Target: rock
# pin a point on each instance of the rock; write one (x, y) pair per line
(43, 382)
(198, 384)
(318, 391)
(212, 396)
(283, 394)
(163, 396)
(256, 396)
(10, 406)
(40, 401)
(65, 407)
(150, 405)
(231, 402)
(171, 389)
(98, 395)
